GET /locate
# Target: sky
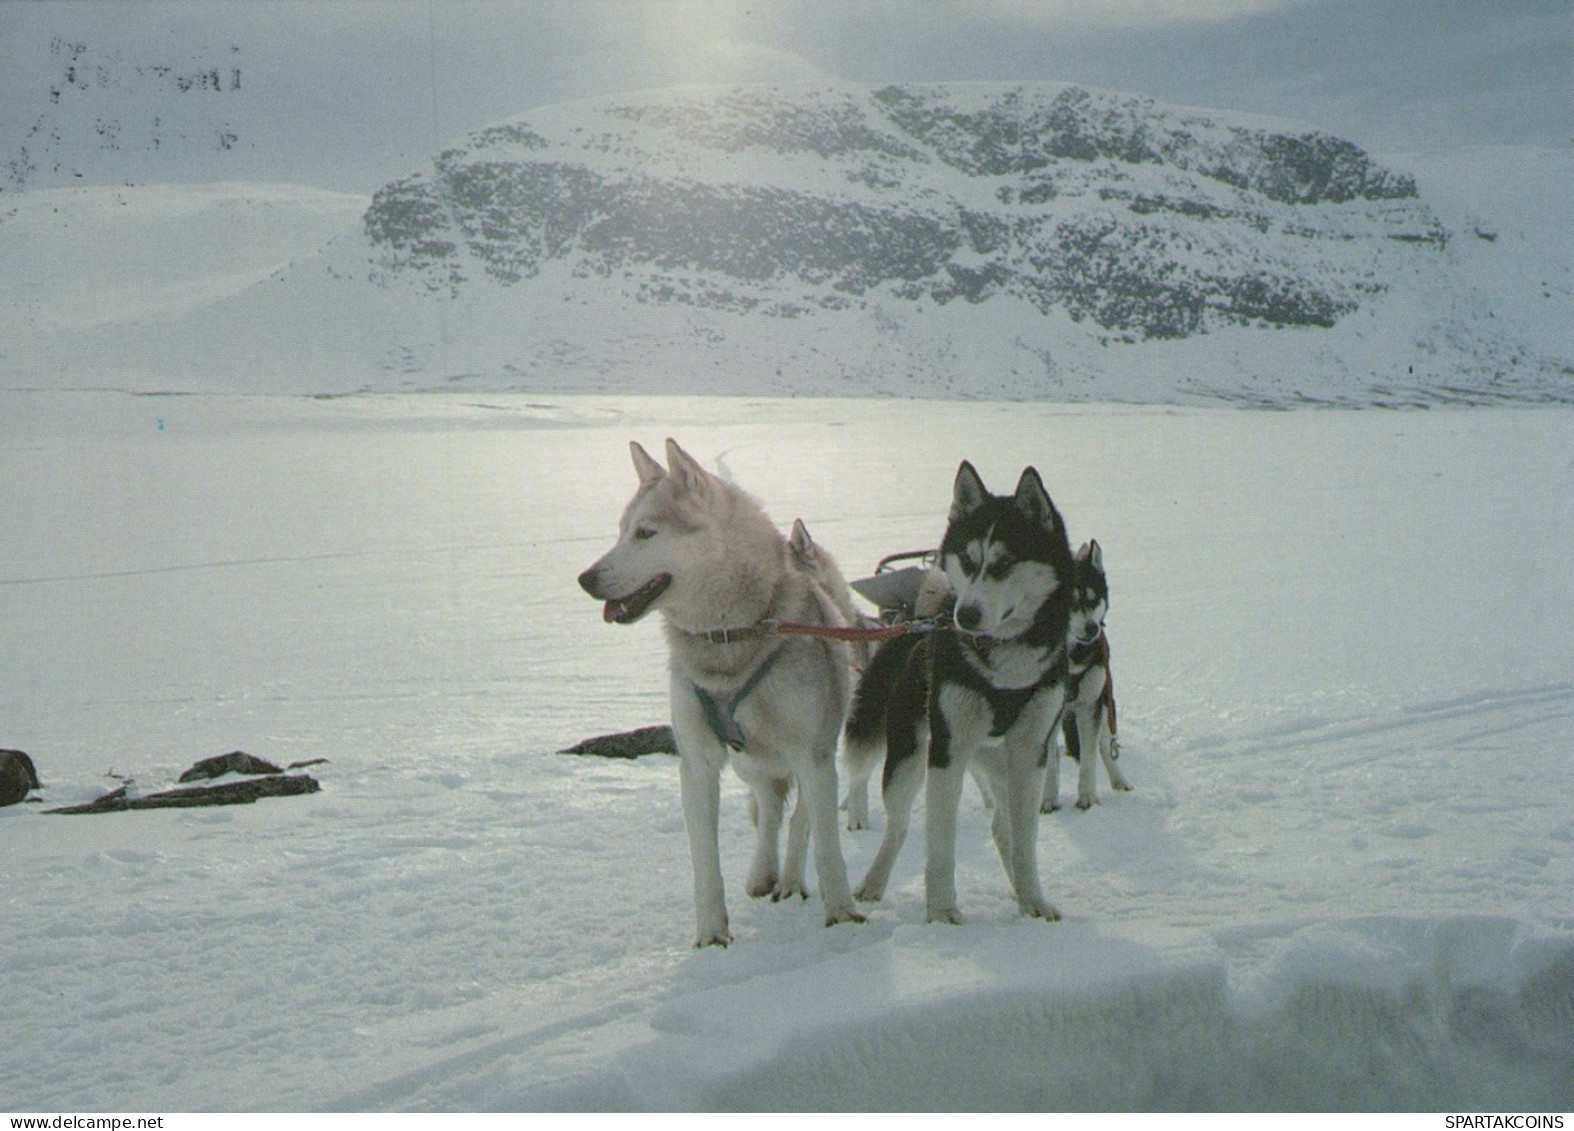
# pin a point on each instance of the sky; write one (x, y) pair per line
(350, 94)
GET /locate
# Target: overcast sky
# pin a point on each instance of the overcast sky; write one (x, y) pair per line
(348, 94)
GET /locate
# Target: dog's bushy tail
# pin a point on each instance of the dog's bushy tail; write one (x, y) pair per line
(866, 719)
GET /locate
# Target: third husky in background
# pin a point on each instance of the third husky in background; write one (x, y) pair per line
(1088, 722)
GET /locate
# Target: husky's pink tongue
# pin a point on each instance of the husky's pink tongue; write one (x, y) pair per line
(612, 610)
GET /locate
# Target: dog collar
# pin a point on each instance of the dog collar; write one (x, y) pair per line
(757, 631)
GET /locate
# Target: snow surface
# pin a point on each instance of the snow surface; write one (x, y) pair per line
(90, 257)
(1345, 878)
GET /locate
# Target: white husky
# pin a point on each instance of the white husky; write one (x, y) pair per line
(702, 553)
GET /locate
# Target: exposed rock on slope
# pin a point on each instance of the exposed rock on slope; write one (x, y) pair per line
(1146, 221)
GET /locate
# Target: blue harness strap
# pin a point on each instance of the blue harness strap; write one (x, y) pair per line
(721, 709)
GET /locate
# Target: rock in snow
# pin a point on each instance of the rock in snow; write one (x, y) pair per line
(235, 762)
(627, 744)
(231, 793)
(17, 776)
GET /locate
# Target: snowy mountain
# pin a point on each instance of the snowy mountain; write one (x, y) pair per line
(1144, 221)
(1022, 241)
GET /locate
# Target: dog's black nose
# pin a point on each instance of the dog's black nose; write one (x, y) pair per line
(968, 617)
(587, 581)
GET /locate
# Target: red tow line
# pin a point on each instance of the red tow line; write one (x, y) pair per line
(851, 634)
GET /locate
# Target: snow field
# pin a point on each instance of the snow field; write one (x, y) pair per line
(1347, 705)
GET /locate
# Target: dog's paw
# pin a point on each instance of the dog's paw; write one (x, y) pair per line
(1049, 807)
(1039, 909)
(1123, 786)
(760, 885)
(869, 893)
(854, 825)
(1086, 803)
(946, 915)
(721, 937)
(847, 914)
(789, 888)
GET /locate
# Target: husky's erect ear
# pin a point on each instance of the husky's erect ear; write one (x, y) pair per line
(803, 547)
(1096, 555)
(648, 469)
(1084, 552)
(967, 493)
(687, 474)
(1033, 501)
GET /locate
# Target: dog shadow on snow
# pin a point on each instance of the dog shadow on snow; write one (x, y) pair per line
(1126, 837)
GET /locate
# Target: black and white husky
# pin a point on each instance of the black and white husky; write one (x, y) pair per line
(988, 688)
(1088, 723)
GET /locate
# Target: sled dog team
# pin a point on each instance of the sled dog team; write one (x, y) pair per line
(761, 676)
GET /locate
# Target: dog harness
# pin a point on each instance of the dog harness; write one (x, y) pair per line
(721, 707)
(1007, 703)
(1091, 654)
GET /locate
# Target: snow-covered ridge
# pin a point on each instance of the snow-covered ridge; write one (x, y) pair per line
(990, 241)
(71, 259)
(1145, 221)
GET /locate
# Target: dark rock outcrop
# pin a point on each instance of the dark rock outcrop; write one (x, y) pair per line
(628, 744)
(235, 762)
(233, 793)
(17, 776)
